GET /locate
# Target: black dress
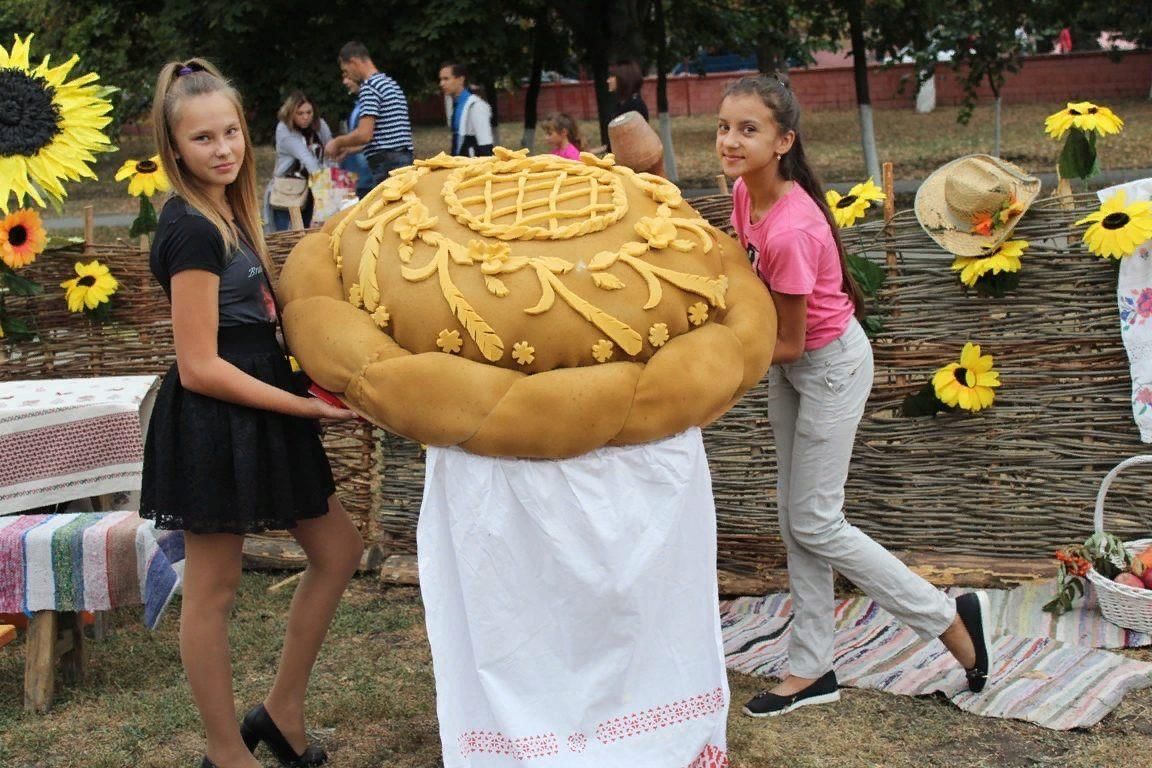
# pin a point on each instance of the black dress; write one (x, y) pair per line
(212, 466)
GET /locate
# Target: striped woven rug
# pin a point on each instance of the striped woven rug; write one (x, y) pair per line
(1047, 672)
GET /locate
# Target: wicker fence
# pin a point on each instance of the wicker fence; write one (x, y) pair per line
(1017, 480)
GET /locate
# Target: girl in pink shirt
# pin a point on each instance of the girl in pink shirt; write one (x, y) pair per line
(817, 390)
(563, 135)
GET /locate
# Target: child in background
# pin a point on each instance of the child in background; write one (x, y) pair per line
(818, 385)
(563, 136)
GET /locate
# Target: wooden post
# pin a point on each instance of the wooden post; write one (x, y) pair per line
(40, 662)
(145, 245)
(296, 219)
(722, 182)
(89, 229)
(72, 647)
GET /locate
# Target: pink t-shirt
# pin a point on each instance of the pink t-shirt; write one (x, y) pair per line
(793, 251)
(569, 151)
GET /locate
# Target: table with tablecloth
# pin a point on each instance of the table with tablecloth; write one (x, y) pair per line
(68, 439)
(571, 608)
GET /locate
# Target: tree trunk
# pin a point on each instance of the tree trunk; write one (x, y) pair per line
(532, 97)
(863, 99)
(597, 45)
(996, 124)
(662, 94)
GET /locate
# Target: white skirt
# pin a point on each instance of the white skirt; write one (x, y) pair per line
(571, 608)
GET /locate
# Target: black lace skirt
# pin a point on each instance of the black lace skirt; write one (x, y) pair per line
(215, 467)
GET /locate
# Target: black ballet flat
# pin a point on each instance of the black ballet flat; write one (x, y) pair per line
(258, 726)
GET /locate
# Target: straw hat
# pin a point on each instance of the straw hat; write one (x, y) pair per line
(970, 205)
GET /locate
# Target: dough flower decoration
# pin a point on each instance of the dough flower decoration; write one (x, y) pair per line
(602, 351)
(698, 313)
(91, 290)
(658, 334)
(523, 353)
(968, 384)
(145, 178)
(994, 273)
(381, 317)
(1079, 124)
(850, 208)
(50, 126)
(450, 341)
(1117, 229)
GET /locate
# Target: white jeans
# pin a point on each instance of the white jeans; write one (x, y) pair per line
(814, 406)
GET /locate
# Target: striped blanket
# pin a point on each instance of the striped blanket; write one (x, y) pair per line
(1043, 671)
(91, 561)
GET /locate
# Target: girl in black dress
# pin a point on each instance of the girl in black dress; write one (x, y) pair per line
(231, 449)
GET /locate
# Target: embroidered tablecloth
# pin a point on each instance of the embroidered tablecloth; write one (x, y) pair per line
(66, 439)
(571, 608)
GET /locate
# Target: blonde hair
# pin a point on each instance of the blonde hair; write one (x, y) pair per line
(287, 113)
(561, 121)
(177, 82)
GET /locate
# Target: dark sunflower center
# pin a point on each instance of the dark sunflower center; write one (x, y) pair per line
(17, 236)
(146, 166)
(87, 281)
(1075, 112)
(961, 375)
(846, 202)
(1092, 111)
(29, 118)
(1115, 220)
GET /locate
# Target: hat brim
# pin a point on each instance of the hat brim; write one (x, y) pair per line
(956, 236)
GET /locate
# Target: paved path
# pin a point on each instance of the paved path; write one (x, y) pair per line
(903, 187)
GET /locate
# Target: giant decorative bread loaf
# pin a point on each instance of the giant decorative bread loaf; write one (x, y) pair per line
(527, 306)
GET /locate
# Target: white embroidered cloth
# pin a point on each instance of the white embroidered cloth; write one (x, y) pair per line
(571, 608)
(65, 439)
(1134, 299)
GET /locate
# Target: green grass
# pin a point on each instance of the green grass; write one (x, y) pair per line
(372, 703)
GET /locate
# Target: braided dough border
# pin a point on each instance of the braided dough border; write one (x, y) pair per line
(441, 399)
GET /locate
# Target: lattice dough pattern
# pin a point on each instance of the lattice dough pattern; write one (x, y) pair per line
(529, 306)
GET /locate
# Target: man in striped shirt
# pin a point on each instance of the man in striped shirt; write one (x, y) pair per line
(384, 128)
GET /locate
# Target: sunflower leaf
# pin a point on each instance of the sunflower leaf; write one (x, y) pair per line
(145, 222)
(996, 285)
(16, 330)
(868, 275)
(1078, 158)
(924, 403)
(19, 286)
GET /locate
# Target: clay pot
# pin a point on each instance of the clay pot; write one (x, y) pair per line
(635, 144)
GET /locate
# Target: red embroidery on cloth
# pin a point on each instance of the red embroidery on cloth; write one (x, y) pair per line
(63, 449)
(711, 757)
(660, 717)
(492, 742)
(577, 742)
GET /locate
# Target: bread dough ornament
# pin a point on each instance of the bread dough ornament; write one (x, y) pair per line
(527, 306)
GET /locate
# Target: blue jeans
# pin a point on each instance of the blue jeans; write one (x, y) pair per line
(383, 163)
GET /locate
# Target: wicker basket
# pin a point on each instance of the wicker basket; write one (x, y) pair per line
(1125, 607)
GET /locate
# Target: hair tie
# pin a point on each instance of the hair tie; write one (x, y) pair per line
(184, 70)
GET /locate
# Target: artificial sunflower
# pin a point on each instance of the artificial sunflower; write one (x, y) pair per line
(1084, 116)
(92, 286)
(147, 177)
(49, 126)
(848, 209)
(22, 238)
(1006, 258)
(968, 383)
(1118, 229)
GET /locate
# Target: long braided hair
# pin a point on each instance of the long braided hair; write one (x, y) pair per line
(776, 93)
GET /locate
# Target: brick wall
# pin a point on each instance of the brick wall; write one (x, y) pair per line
(1049, 78)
